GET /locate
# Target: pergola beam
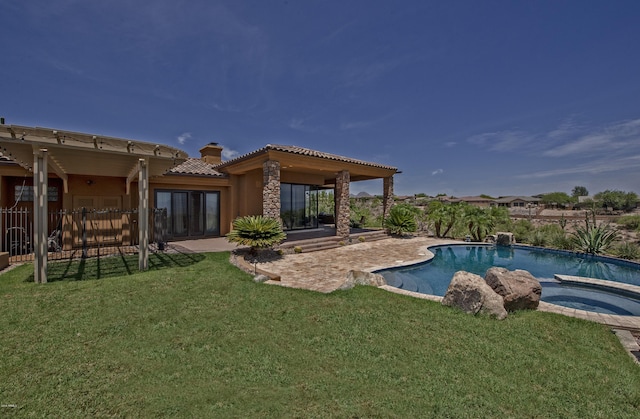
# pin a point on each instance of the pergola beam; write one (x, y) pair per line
(61, 174)
(133, 174)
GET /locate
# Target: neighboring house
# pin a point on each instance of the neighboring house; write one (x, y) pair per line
(50, 170)
(477, 201)
(517, 201)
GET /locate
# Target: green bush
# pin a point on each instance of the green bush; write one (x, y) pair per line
(538, 238)
(257, 232)
(561, 241)
(401, 220)
(626, 250)
(521, 230)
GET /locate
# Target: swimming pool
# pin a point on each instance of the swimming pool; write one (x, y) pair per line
(433, 277)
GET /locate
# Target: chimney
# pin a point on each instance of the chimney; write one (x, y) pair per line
(211, 153)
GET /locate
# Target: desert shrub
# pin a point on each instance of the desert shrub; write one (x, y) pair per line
(593, 238)
(538, 238)
(561, 241)
(551, 229)
(521, 230)
(401, 220)
(629, 222)
(627, 250)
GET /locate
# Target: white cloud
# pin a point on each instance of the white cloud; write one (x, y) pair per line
(593, 168)
(450, 144)
(619, 136)
(502, 140)
(437, 172)
(228, 154)
(182, 138)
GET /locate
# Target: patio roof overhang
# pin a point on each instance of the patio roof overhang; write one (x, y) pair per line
(72, 153)
(302, 160)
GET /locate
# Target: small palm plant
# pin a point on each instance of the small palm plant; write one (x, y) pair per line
(593, 238)
(257, 232)
(400, 221)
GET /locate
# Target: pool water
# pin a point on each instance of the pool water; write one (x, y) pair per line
(433, 277)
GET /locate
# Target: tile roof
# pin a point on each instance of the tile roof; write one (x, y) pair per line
(305, 152)
(194, 166)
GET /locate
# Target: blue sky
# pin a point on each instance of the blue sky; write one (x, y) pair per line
(465, 97)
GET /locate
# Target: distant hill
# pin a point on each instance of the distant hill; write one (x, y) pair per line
(363, 195)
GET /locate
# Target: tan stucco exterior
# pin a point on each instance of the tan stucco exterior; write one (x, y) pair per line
(102, 172)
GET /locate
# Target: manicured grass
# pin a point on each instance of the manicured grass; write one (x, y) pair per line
(196, 337)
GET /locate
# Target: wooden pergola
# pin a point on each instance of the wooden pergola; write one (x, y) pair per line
(44, 150)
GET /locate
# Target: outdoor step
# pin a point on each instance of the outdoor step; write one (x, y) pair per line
(290, 244)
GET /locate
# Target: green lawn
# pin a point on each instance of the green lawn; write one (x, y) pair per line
(197, 337)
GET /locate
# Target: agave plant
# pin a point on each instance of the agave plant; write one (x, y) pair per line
(400, 221)
(593, 238)
(257, 232)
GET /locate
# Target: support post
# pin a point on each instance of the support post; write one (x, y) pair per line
(387, 196)
(143, 214)
(40, 203)
(271, 189)
(343, 208)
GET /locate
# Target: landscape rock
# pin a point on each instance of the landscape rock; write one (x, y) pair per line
(471, 294)
(362, 278)
(260, 278)
(519, 289)
(505, 239)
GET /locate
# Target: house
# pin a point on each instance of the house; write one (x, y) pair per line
(45, 170)
(517, 201)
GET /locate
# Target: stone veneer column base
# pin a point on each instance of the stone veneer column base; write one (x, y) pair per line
(343, 214)
(271, 189)
(387, 196)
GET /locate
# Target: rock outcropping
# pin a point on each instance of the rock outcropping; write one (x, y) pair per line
(471, 294)
(519, 289)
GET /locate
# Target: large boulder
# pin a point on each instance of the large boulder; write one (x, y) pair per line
(471, 294)
(520, 289)
(362, 278)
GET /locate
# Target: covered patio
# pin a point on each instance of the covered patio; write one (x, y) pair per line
(78, 161)
(275, 169)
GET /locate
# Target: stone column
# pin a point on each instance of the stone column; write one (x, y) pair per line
(343, 212)
(271, 189)
(387, 196)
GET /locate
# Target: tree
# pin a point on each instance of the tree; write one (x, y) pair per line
(443, 216)
(556, 198)
(579, 191)
(257, 232)
(618, 200)
(479, 221)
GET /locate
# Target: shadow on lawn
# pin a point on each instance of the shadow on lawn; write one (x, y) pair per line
(114, 265)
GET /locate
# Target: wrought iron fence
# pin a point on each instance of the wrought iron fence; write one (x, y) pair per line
(79, 232)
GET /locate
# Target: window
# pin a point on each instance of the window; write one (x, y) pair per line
(25, 193)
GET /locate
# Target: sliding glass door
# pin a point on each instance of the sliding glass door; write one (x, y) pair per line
(190, 213)
(298, 206)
